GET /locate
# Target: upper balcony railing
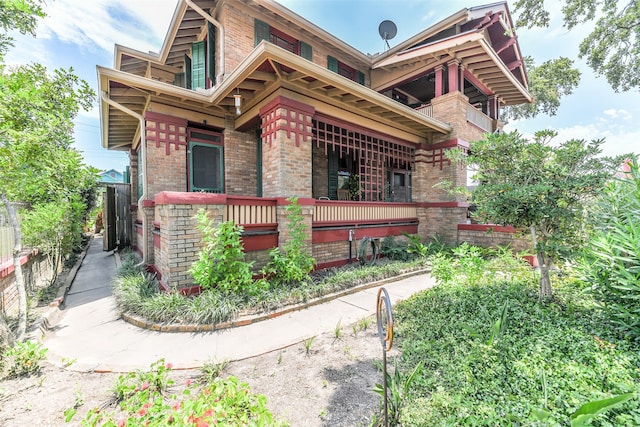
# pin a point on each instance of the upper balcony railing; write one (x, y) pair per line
(426, 109)
(479, 119)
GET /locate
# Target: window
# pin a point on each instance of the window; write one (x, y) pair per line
(200, 67)
(264, 31)
(344, 70)
(206, 162)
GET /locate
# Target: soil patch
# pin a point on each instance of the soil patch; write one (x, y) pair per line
(331, 385)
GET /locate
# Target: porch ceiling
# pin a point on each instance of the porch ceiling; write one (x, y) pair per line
(265, 71)
(471, 49)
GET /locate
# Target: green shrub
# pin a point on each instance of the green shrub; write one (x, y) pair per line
(24, 358)
(611, 262)
(221, 262)
(394, 249)
(293, 263)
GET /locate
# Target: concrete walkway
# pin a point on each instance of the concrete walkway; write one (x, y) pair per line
(91, 334)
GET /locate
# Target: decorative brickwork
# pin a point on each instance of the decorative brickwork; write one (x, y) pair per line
(166, 131)
(286, 159)
(292, 117)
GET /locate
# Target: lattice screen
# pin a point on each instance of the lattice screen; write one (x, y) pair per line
(373, 153)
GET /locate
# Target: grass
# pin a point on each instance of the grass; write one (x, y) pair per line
(546, 359)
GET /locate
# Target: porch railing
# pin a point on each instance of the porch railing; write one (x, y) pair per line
(250, 210)
(479, 119)
(336, 212)
(426, 109)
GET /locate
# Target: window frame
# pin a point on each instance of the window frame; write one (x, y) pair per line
(205, 138)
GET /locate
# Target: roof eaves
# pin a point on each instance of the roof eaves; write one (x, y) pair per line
(456, 18)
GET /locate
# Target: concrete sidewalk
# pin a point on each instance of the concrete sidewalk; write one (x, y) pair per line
(91, 334)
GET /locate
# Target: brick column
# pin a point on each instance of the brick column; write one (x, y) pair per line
(180, 240)
(439, 212)
(286, 155)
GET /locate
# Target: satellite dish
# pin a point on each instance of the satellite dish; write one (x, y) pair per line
(387, 30)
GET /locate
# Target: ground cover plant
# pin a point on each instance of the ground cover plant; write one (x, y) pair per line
(138, 292)
(145, 398)
(491, 354)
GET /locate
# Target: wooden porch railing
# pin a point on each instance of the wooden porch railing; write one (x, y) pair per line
(426, 109)
(337, 212)
(250, 210)
(479, 119)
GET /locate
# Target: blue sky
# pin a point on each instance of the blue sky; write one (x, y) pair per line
(82, 35)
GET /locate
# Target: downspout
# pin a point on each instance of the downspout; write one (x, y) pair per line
(210, 18)
(143, 147)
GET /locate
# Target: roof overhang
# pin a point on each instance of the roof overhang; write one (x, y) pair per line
(471, 49)
(265, 71)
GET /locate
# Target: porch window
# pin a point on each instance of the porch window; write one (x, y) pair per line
(206, 162)
(264, 31)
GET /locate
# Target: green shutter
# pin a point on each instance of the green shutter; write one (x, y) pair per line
(198, 65)
(305, 51)
(179, 79)
(333, 174)
(211, 53)
(332, 64)
(262, 31)
(361, 77)
(187, 72)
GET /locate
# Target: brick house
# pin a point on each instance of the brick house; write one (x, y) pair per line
(248, 103)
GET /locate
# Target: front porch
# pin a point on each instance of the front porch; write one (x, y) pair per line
(176, 240)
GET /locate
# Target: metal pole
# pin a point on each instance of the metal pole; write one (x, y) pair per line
(384, 384)
(384, 320)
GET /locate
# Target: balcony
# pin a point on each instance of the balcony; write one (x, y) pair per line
(479, 119)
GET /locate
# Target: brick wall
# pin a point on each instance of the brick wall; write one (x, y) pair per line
(166, 149)
(238, 23)
(491, 236)
(452, 108)
(441, 222)
(38, 273)
(333, 251)
(240, 151)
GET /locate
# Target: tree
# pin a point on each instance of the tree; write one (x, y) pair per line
(535, 186)
(548, 83)
(37, 108)
(612, 49)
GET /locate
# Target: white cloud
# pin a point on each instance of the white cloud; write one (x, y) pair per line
(101, 23)
(618, 114)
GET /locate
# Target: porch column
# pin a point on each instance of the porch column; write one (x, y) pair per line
(494, 108)
(439, 212)
(454, 75)
(287, 130)
(438, 71)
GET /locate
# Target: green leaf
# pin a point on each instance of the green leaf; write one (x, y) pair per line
(589, 410)
(69, 413)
